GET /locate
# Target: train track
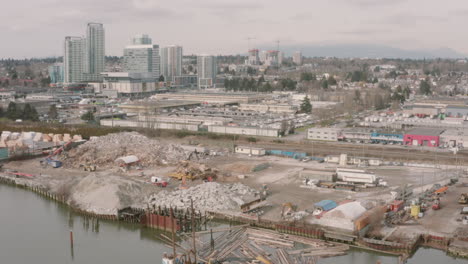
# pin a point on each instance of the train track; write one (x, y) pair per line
(367, 150)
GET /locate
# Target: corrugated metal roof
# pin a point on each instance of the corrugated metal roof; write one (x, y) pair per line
(128, 159)
(426, 131)
(326, 205)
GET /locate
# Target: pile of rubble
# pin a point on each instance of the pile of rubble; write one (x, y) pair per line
(103, 151)
(194, 170)
(210, 196)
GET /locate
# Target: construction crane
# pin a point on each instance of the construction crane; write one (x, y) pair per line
(248, 42)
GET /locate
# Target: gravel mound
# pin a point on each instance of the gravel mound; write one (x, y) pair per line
(105, 194)
(103, 151)
(210, 196)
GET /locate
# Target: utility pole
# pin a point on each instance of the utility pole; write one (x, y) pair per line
(193, 231)
(173, 233)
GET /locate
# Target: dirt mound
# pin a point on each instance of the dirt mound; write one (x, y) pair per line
(103, 151)
(105, 194)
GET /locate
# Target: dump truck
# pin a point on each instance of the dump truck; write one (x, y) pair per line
(158, 181)
(436, 205)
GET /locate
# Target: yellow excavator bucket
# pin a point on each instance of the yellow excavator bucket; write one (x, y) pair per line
(263, 260)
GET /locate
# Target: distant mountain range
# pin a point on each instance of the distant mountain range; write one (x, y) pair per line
(367, 51)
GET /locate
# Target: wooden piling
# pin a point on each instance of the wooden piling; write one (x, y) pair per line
(71, 238)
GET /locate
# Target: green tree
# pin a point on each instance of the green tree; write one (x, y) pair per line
(13, 112)
(324, 84)
(88, 116)
(2, 113)
(261, 79)
(398, 95)
(288, 84)
(357, 97)
(28, 73)
(393, 74)
(267, 87)
(308, 76)
(406, 92)
(14, 75)
(227, 84)
(45, 82)
(425, 87)
(53, 113)
(358, 76)
(383, 86)
(331, 81)
(30, 113)
(379, 103)
(306, 106)
(161, 78)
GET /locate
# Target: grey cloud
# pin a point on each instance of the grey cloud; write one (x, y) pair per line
(373, 3)
(363, 32)
(233, 5)
(408, 19)
(301, 16)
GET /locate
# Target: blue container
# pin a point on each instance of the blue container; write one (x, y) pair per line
(3, 153)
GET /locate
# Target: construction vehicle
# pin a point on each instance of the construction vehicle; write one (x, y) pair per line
(183, 184)
(51, 162)
(287, 210)
(193, 171)
(436, 204)
(158, 182)
(463, 198)
(88, 167)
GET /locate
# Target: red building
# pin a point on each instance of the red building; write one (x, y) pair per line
(423, 137)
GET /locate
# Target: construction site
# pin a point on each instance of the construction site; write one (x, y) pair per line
(282, 206)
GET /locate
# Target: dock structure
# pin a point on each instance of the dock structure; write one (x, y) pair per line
(165, 218)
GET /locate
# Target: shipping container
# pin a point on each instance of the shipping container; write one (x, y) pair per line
(3, 153)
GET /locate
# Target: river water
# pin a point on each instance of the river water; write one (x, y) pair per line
(36, 230)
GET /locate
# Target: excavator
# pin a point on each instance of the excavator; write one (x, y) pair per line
(49, 160)
(193, 171)
(87, 167)
(287, 210)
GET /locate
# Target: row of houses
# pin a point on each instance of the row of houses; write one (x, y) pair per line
(431, 137)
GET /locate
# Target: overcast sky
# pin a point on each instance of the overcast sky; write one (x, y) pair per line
(36, 28)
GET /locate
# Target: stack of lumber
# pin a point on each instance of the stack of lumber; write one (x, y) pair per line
(249, 244)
